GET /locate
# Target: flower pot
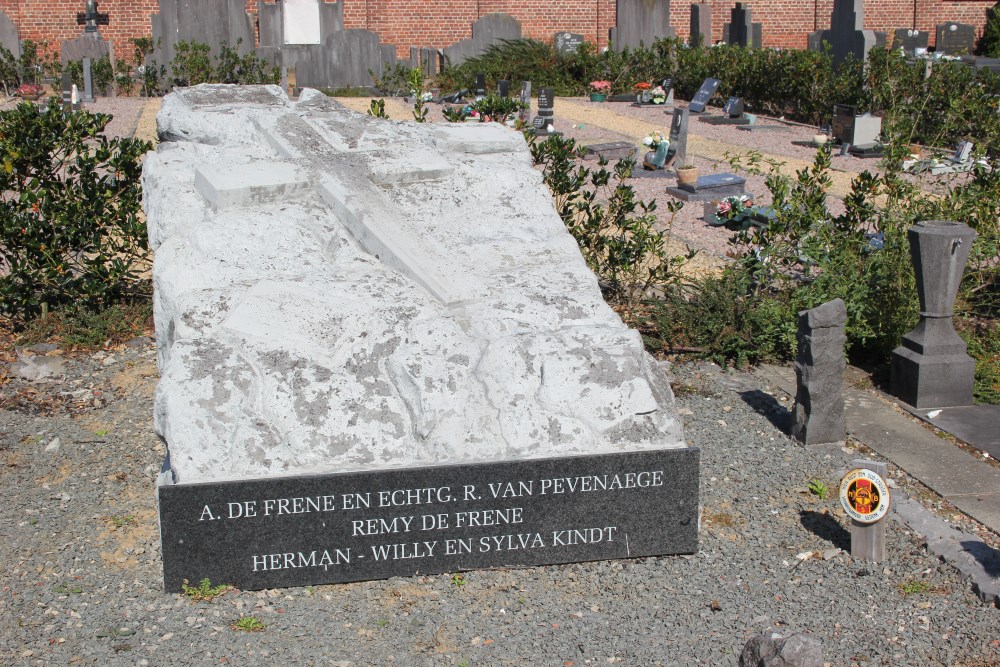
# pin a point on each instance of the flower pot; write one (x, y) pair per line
(598, 97)
(688, 176)
(819, 139)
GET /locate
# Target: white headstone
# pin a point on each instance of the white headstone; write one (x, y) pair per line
(301, 22)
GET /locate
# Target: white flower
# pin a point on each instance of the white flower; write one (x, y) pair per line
(648, 140)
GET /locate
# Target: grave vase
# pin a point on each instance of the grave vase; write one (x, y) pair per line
(655, 159)
(598, 97)
(931, 368)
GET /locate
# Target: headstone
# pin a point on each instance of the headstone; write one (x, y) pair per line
(503, 88)
(847, 35)
(668, 86)
(480, 86)
(955, 39)
(89, 45)
(546, 104)
(701, 24)
(612, 150)
(911, 41)
(477, 404)
(733, 107)
(853, 130)
(931, 369)
(488, 30)
(88, 81)
(9, 37)
(710, 187)
(963, 152)
(67, 90)
(212, 22)
(771, 649)
(640, 22)
(741, 30)
(679, 134)
(525, 111)
(704, 95)
(818, 415)
(301, 22)
(865, 498)
(568, 43)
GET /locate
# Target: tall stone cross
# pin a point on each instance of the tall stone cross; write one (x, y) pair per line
(91, 18)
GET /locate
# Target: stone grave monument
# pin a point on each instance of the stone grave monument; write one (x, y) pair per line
(741, 30)
(854, 130)
(9, 37)
(913, 42)
(932, 369)
(525, 111)
(732, 114)
(846, 34)
(90, 44)
(425, 59)
(488, 30)
(955, 39)
(640, 22)
(818, 415)
(704, 95)
(212, 22)
(701, 24)
(360, 380)
(679, 134)
(546, 111)
(567, 43)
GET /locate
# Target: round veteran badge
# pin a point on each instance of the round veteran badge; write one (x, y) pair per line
(864, 495)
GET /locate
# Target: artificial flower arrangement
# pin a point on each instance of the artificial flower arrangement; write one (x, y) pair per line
(736, 210)
(29, 91)
(658, 95)
(642, 85)
(654, 139)
(601, 87)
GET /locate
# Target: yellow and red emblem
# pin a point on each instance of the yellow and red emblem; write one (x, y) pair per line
(864, 495)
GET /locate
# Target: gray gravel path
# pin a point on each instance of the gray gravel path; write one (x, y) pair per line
(79, 549)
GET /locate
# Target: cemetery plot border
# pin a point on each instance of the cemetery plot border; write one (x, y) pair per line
(295, 531)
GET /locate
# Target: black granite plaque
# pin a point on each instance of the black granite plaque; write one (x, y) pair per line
(480, 85)
(704, 94)
(538, 123)
(622, 97)
(568, 42)
(714, 181)
(546, 98)
(733, 107)
(503, 88)
(667, 84)
(295, 531)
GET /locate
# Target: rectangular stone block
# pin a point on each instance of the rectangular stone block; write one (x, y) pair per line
(297, 531)
(252, 184)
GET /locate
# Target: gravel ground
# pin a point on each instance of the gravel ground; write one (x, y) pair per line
(79, 544)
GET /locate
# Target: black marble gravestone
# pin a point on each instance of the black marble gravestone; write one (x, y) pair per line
(568, 43)
(704, 95)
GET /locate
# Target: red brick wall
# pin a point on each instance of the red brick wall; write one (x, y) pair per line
(439, 23)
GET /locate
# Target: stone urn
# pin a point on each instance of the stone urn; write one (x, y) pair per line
(931, 368)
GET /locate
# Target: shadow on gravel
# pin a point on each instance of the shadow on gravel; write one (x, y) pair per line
(987, 556)
(826, 528)
(769, 407)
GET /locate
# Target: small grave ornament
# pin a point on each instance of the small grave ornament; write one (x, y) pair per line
(864, 495)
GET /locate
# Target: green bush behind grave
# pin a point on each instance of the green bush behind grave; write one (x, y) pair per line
(71, 225)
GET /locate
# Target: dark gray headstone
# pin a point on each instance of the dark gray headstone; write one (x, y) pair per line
(297, 531)
(741, 30)
(9, 36)
(546, 98)
(88, 45)
(67, 90)
(770, 649)
(679, 135)
(730, 183)
(704, 95)
(88, 81)
(488, 30)
(910, 40)
(733, 107)
(503, 88)
(640, 22)
(212, 22)
(847, 35)
(344, 60)
(931, 369)
(701, 24)
(480, 88)
(955, 39)
(568, 42)
(818, 415)
(842, 125)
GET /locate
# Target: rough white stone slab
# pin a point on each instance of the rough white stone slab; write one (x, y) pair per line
(253, 183)
(377, 320)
